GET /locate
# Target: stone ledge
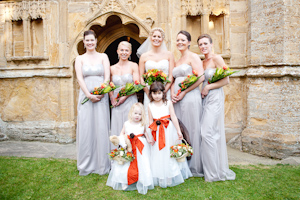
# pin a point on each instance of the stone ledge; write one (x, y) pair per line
(51, 72)
(44, 131)
(273, 72)
(27, 58)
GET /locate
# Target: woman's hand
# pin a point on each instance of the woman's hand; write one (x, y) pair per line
(113, 101)
(150, 142)
(181, 95)
(95, 98)
(174, 98)
(205, 91)
(121, 100)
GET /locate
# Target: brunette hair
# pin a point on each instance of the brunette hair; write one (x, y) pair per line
(204, 36)
(159, 30)
(143, 120)
(155, 87)
(126, 44)
(187, 34)
(89, 32)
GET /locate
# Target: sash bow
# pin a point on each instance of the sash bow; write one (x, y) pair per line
(161, 122)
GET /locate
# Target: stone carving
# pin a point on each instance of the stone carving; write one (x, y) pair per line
(149, 21)
(130, 4)
(26, 9)
(111, 5)
(198, 7)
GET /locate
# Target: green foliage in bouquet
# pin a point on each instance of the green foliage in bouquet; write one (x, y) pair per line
(221, 73)
(155, 75)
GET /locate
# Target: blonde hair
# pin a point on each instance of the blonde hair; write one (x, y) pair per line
(126, 44)
(143, 120)
(159, 30)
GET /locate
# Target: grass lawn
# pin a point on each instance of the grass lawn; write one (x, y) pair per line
(40, 178)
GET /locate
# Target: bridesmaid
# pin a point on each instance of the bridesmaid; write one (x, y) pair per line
(92, 69)
(213, 144)
(188, 104)
(123, 72)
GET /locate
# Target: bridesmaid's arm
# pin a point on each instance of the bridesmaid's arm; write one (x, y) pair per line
(78, 66)
(135, 72)
(106, 66)
(219, 62)
(171, 67)
(196, 64)
(111, 94)
(142, 71)
(175, 121)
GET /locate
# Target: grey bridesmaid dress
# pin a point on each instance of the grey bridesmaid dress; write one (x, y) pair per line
(92, 131)
(213, 145)
(188, 110)
(119, 114)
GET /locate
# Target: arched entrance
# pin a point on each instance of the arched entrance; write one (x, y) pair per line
(112, 48)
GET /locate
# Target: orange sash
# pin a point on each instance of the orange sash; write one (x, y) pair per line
(133, 170)
(164, 122)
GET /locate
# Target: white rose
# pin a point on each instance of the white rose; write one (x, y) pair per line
(179, 153)
(121, 153)
(184, 148)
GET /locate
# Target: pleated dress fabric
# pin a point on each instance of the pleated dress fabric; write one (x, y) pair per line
(92, 133)
(213, 144)
(189, 111)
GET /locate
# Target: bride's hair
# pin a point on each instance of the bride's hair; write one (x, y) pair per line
(139, 105)
(155, 87)
(157, 29)
(126, 44)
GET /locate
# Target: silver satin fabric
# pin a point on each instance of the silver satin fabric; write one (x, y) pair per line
(92, 132)
(119, 114)
(213, 145)
(188, 110)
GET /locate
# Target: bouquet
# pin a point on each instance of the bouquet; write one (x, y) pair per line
(188, 81)
(103, 89)
(121, 155)
(155, 75)
(221, 73)
(181, 151)
(129, 89)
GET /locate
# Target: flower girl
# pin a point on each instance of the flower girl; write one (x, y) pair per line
(136, 174)
(166, 171)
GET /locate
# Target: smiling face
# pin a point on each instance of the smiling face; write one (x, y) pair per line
(156, 38)
(90, 42)
(123, 52)
(205, 46)
(137, 114)
(182, 42)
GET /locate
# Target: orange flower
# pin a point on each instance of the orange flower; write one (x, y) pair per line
(225, 67)
(195, 72)
(164, 75)
(189, 76)
(176, 150)
(112, 84)
(136, 82)
(103, 85)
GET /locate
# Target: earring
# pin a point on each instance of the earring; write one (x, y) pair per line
(129, 57)
(84, 46)
(118, 56)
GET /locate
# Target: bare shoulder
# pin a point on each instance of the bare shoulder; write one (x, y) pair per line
(194, 56)
(79, 58)
(103, 55)
(217, 58)
(133, 64)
